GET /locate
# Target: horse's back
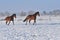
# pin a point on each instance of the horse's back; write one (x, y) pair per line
(30, 17)
(7, 18)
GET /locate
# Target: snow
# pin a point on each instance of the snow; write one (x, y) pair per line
(46, 28)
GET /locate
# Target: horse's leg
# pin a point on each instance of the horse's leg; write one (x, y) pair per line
(9, 23)
(34, 22)
(6, 22)
(26, 22)
(29, 21)
(13, 22)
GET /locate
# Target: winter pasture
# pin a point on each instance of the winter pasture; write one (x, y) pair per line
(46, 28)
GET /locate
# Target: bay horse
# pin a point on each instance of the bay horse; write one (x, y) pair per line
(31, 17)
(10, 18)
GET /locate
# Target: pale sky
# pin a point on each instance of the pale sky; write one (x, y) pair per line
(27, 5)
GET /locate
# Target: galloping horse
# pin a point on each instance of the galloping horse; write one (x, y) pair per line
(31, 17)
(10, 18)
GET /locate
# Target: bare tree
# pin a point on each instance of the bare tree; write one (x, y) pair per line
(44, 13)
(31, 12)
(2, 14)
(23, 13)
(7, 13)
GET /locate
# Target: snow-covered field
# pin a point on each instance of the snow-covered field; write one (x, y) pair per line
(46, 28)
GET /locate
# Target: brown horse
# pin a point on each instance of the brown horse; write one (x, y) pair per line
(10, 18)
(31, 17)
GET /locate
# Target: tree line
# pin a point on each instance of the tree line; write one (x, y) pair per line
(22, 13)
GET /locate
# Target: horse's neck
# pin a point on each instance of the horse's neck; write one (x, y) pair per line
(35, 15)
(11, 16)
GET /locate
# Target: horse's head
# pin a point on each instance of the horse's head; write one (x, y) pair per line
(37, 13)
(14, 15)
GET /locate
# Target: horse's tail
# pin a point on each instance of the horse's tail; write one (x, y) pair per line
(25, 19)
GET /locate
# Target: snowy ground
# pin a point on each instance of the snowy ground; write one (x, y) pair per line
(46, 28)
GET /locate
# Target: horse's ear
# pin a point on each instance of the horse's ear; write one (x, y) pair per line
(14, 14)
(38, 12)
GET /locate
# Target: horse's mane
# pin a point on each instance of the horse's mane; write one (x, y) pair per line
(13, 15)
(36, 13)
